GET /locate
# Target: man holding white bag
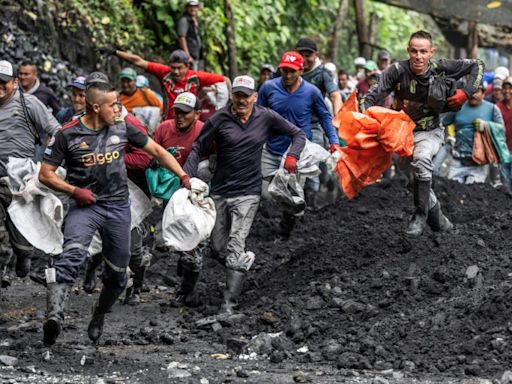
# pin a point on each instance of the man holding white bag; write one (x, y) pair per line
(240, 130)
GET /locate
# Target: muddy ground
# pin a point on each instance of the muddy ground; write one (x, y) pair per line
(343, 301)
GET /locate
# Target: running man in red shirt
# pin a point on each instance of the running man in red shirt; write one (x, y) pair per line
(176, 77)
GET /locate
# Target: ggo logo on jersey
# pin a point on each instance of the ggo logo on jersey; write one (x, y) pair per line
(91, 159)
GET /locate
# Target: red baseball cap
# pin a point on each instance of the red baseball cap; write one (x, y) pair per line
(292, 60)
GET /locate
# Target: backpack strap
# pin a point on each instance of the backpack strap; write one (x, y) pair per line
(28, 118)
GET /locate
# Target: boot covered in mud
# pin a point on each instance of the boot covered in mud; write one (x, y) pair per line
(133, 292)
(187, 294)
(56, 297)
(421, 198)
(90, 272)
(286, 225)
(23, 264)
(234, 285)
(106, 300)
(437, 221)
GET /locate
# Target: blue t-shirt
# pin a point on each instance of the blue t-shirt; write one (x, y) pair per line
(298, 108)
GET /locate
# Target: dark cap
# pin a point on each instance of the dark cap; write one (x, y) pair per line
(268, 67)
(384, 55)
(97, 77)
(78, 83)
(306, 44)
(179, 56)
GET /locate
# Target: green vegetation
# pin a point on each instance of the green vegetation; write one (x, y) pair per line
(264, 28)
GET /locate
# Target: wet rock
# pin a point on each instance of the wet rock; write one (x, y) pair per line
(300, 377)
(379, 380)
(332, 350)
(269, 318)
(261, 344)
(349, 360)
(167, 339)
(8, 360)
(241, 373)
(236, 344)
(177, 370)
(473, 369)
(472, 272)
(506, 378)
(352, 306)
(216, 327)
(277, 356)
(315, 302)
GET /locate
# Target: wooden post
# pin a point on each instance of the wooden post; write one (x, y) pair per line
(372, 32)
(362, 31)
(472, 40)
(332, 50)
(231, 40)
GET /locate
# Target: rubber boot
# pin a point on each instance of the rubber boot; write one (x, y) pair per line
(286, 225)
(23, 264)
(106, 300)
(234, 284)
(90, 272)
(187, 294)
(437, 221)
(133, 292)
(421, 199)
(56, 297)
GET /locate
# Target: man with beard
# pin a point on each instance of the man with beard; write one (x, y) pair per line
(409, 80)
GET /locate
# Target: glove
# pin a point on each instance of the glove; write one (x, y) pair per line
(107, 51)
(334, 147)
(479, 125)
(455, 102)
(290, 164)
(83, 196)
(154, 164)
(185, 181)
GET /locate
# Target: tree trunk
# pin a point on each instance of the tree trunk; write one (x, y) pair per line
(372, 32)
(231, 40)
(332, 51)
(472, 40)
(362, 31)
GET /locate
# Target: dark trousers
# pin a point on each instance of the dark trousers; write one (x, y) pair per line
(112, 220)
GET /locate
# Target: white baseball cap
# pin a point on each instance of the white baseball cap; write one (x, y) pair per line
(244, 84)
(186, 102)
(501, 73)
(360, 61)
(6, 71)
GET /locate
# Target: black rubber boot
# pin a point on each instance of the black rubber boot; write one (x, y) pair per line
(106, 300)
(187, 294)
(133, 293)
(23, 264)
(421, 199)
(56, 297)
(90, 272)
(234, 285)
(286, 225)
(437, 221)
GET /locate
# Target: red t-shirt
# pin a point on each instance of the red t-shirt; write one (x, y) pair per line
(167, 135)
(193, 81)
(507, 118)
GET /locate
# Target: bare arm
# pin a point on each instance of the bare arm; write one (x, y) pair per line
(164, 158)
(132, 58)
(336, 101)
(182, 42)
(48, 177)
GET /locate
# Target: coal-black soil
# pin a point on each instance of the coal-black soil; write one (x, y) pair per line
(345, 300)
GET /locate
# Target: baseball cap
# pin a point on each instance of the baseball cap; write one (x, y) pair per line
(97, 77)
(268, 67)
(78, 83)
(186, 102)
(508, 81)
(179, 56)
(306, 44)
(128, 73)
(331, 67)
(192, 3)
(141, 81)
(244, 84)
(360, 61)
(292, 60)
(384, 55)
(6, 71)
(497, 84)
(501, 73)
(370, 66)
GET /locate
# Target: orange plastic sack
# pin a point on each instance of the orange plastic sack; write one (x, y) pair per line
(371, 140)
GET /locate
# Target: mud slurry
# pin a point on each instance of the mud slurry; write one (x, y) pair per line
(344, 300)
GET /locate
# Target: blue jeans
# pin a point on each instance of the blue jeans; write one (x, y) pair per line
(467, 174)
(506, 175)
(113, 221)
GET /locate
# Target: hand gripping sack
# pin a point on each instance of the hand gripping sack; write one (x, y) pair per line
(189, 217)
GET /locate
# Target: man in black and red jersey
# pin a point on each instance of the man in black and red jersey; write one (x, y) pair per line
(93, 148)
